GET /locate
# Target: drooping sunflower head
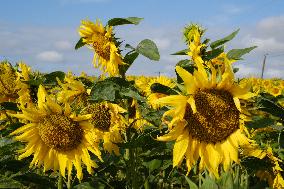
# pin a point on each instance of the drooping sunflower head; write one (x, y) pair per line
(192, 32)
(55, 137)
(8, 85)
(206, 119)
(100, 39)
(108, 123)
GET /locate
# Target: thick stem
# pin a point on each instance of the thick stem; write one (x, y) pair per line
(60, 182)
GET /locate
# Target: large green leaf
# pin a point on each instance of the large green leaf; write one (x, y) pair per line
(129, 58)
(122, 21)
(80, 43)
(271, 107)
(113, 89)
(260, 122)
(50, 78)
(148, 49)
(224, 40)
(236, 54)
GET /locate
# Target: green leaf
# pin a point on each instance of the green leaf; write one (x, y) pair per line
(79, 44)
(50, 79)
(6, 182)
(191, 184)
(213, 54)
(227, 181)
(153, 165)
(114, 88)
(84, 185)
(159, 88)
(149, 49)
(260, 122)
(182, 52)
(209, 183)
(187, 65)
(236, 54)
(235, 70)
(9, 106)
(271, 107)
(224, 40)
(122, 21)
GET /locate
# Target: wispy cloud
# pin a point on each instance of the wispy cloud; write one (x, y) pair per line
(50, 56)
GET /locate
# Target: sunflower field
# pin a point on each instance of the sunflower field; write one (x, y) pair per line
(205, 128)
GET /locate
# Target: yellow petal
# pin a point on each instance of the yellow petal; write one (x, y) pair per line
(187, 79)
(180, 148)
(173, 134)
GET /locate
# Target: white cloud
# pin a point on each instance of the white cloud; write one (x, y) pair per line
(162, 43)
(50, 56)
(63, 45)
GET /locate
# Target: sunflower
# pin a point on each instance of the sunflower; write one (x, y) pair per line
(206, 119)
(71, 89)
(100, 39)
(107, 122)
(56, 138)
(8, 84)
(152, 97)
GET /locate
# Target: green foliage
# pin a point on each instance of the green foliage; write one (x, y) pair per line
(79, 44)
(182, 52)
(224, 40)
(122, 21)
(9, 106)
(148, 49)
(236, 54)
(113, 89)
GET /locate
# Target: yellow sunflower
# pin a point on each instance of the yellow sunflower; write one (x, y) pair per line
(56, 138)
(206, 119)
(108, 123)
(100, 39)
(8, 84)
(71, 89)
(152, 97)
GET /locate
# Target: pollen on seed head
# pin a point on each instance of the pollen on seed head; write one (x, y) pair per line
(101, 116)
(60, 132)
(101, 47)
(217, 116)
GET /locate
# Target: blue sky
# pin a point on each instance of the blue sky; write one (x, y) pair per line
(43, 33)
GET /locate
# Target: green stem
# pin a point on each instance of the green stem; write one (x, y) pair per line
(69, 182)
(60, 182)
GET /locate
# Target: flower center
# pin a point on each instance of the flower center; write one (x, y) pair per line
(217, 116)
(7, 81)
(101, 46)
(60, 132)
(101, 116)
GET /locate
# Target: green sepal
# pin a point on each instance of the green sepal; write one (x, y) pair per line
(236, 54)
(123, 21)
(80, 43)
(224, 40)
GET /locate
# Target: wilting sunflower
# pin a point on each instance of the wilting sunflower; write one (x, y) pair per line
(108, 123)
(206, 119)
(56, 138)
(100, 39)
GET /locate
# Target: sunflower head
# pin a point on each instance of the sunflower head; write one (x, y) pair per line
(8, 85)
(192, 32)
(107, 55)
(206, 118)
(56, 137)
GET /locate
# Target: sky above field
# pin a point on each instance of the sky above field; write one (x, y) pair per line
(43, 33)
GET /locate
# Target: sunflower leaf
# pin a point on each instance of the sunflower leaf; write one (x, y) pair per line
(182, 52)
(213, 53)
(148, 49)
(159, 88)
(191, 184)
(123, 21)
(236, 54)
(224, 40)
(6, 182)
(9, 106)
(50, 79)
(79, 44)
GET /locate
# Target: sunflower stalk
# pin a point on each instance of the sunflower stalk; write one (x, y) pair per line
(60, 182)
